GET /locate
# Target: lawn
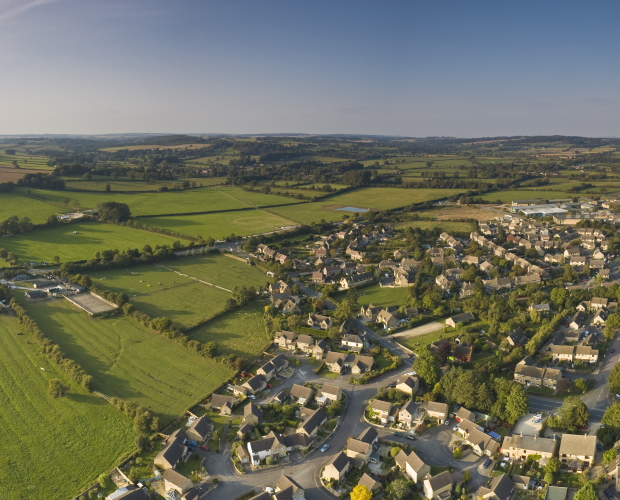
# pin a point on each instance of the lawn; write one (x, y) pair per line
(383, 297)
(57, 446)
(44, 244)
(414, 343)
(129, 361)
(220, 225)
(241, 333)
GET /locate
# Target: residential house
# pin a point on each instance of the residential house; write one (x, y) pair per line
(318, 277)
(336, 362)
(268, 370)
(279, 287)
(223, 403)
(541, 308)
(313, 422)
(497, 284)
(200, 429)
(357, 255)
(286, 340)
(577, 320)
(370, 312)
(438, 487)
(386, 317)
(272, 445)
(517, 338)
(585, 354)
(409, 385)
(464, 414)
(520, 447)
(252, 414)
(437, 410)
(412, 465)
(319, 348)
(169, 456)
(356, 280)
(500, 488)
(563, 353)
(331, 392)
(369, 482)
(526, 280)
(460, 318)
(467, 290)
(173, 481)
(529, 375)
(319, 321)
(280, 362)
(130, 492)
(408, 413)
(480, 442)
(358, 451)
(288, 489)
(302, 394)
(464, 352)
(577, 452)
(352, 342)
(255, 384)
(382, 410)
(471, 259)
(305, 343)
(337, 468)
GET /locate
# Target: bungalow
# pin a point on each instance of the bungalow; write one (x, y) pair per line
(337, 468)
(382, 410)
(336, 361)
(356, 280)
(438, 487)
(461, 318)
(200, 429)
(319, 321)
(302, 394)
(288, 307)
(169, 457)
(412, 465)
(286, 340)
(577, 452)
(173, 481)
(409, 385)
(223, 403)
(437, 410)
(255, 384)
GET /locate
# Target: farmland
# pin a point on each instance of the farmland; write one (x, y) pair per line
(10, 174)
(44, 244)
(18, 203)
(58, 446)
(507, 196)
(128, 360)
(128, 185)
(241, 333)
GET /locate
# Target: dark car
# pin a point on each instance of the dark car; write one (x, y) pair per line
(612, 350)
(609, 494)
(486, 463)
(393, 384)
(398, 434)
(410, 438)
(193, 444)
(599, 447)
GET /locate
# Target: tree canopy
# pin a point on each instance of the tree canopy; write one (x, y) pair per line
(113, 211)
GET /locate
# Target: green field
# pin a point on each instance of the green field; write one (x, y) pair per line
(19, 204)
(220, 225)
(57, 447)
(129, 361)
(44, 244)
(383, 297)
(25, 161)
(508, 196)
(241, 333)
(444, 225)
(127, 185)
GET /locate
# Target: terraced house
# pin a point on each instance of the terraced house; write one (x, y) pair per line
(520, 447)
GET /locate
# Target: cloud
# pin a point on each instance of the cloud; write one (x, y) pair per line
(12, 8)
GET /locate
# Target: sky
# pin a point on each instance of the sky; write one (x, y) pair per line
(408, 68)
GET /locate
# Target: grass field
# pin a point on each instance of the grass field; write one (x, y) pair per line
(383, 297)
(127, 185)
(26, 162)
(447, 226)
(129, 361)
(57, 446)
(223, 224)
(508, 196)
(241, 332)
(44, 244)
(17, 203)
(255, 199)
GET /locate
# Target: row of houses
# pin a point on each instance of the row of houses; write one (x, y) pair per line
(285, 489)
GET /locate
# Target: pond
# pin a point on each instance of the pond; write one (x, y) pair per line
(353, 209)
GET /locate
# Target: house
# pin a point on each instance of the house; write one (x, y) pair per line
(412, 465)
(352, 342)
(243, 431)
(272, 445)
(467, 289)
(169, 456)
(252, 415)
(577, 320)
(464, 414)
(268, 370)
(357, 255)
(36, 294)
(334, 361)
(409, 385)
(255, 384)
(356, 280)
(523, 482)
(288, 307)
(286, 340)
(359, 364)
(497, 284)
(501, 488)
(369, 435)
(408, 413)
(370, 312)
(400, 254)
(319, 321)
(563, 353)
(318, 277)
(437, 410)
(520, 447)
(359, 451)
(461, 318)
(331, 392)
(464, 352)
(287, 489)
(438, 487)
(369, 482)
(387, 317)
(529, 375)
(382, 410)
(302, 394)
(223, 403)
(200, 429)
(517, 338)
(313, 422)
(280, 362)
(319, 348)
(541, 308)
(577, 452)
(279, 287)
(480, 442)
(526, 280)
(176, 482)
(337, 468)
(130, 492)
(585, 354)
(305, 343)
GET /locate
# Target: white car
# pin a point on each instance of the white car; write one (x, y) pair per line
(324, 448)
(455, 428)
(252, 396)
(269, 490)
(537, 416)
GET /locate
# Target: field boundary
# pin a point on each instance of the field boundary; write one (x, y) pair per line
(195, 279)
(246, 209)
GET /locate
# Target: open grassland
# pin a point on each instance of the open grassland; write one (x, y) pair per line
(128, 360)
(186, 305)
(220, 270)
(128, 185)
(383, 297)
(241, 333)
(373, 198)
(508, 196)
(18, 203)
(57, 447)
(44, 244)
(222, 224)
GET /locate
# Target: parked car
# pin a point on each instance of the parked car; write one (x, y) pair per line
(324, 448)
(410, 437)
(538, 415)
(204, 447)
(192, 443)
(612, 350)
(455, 428)
(599, 447)
(584, 427)
(269, 490)
(486, 463)
(398, 434)
(538, 421)
(393, 384)
(251, 396)
(447, 422)
(609, 494)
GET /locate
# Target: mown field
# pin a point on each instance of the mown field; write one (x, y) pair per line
(220, 225)
(54, 447)
(129, 361)
(431, 224)
(241, 333)
(21, 205)
(383, 297)
(44, 244)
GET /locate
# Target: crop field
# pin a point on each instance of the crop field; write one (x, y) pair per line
(241, 333)
(128, 360)
(44, 244)
(220, 225)
(57, 446)
(255, 199)
(10, 174)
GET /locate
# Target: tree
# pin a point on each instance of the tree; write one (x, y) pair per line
(457, 453)
(395, 451)
(614, 379)
(573, 413)
(399, 489)
(269, 460)
(611, 420)
(335, 409)
(548, 478)
(613, 320)
(108, 188)
(55, 388)
(103, 480)
(427, 366)
(517, 404)
(609, 455)
(113, 211)
(588, 491)
(134, 475)
(553, 465)
(143, 442)
(466, 476)
(580, 385)
(360, 492)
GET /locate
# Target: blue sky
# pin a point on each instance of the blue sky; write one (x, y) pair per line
(449, 68)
